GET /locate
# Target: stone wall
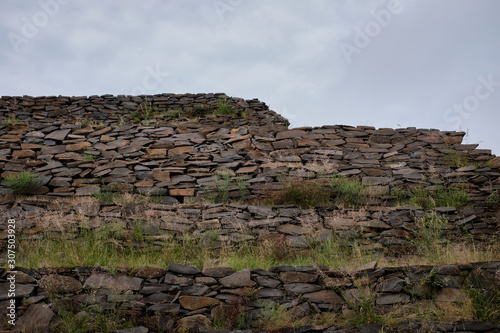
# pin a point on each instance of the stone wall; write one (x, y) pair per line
(179, 157)
(217, 224)
(178, 154)
(193, 296)
(179, 151)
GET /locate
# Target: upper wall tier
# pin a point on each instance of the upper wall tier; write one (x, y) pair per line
(174, 145)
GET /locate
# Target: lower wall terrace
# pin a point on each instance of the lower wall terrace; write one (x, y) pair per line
(185, 297)
(232, 224)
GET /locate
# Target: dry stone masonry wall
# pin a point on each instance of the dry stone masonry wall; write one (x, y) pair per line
(81, 146)
(177, 149)
(186, 297)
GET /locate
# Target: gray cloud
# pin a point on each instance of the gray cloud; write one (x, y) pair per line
(416, 66)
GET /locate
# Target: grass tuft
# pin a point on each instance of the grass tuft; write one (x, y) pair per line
(23, 182)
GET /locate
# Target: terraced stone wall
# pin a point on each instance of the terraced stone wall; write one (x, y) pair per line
(220, 225)
(80, 146)
(179, 157)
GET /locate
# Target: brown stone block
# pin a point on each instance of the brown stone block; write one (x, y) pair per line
(161, 174)
(183, 192)
(180, 150)
(78, 146)
(25, 153)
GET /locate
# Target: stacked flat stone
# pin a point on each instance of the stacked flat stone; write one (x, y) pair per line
(192, 295)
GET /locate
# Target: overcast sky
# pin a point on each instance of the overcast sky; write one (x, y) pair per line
(418, 63)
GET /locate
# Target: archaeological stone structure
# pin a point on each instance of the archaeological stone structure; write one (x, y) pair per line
(205, 163)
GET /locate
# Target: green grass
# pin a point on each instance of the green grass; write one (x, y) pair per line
(86, 122)
(428, 234)
(421, 197)
(348, 192)
(364, 309)
(458, 159)
(486, 303)
(224, 108)
(12, 121)
(23, 182)
(88, 155)
(225, 182)
(493, 198)
(301, 193)
(145, 111)
(106, 196)
(92, 318)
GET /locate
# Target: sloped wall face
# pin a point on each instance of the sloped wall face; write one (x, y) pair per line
(187, 148)
(185, 297)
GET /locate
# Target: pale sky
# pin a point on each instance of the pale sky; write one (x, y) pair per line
(398, 63)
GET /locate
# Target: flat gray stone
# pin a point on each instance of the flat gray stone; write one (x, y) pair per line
(118, 283)
(22, 290)
(184, 269)
(267, 282)
(392, 285)
(58, 135)
(297, 277)
(218, 272)
(239, 279)
(60, 284)
(390, 299)
(179, 280)
(324, 297)
(301, 288)
(36, 319)
(140, 329)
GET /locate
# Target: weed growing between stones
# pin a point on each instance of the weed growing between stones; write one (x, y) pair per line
(89, 155)
(420, 196)
(348, 192)
(92, 317)
(224, 108)
(12, 121)
(458, 159)
(493, 198)
(23, 182)
(484, 293)
(226, 184)
(105, 196)
(428, 233)
(361, 302)
(301, 193)
(275, 317)
(145, 111)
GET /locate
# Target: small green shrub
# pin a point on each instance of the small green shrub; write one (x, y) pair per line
(493, 198)
(398, 194)
(86, 122)
(451, 197)
(363, 305)
(348, 192)
(458, 159)
(12, 121)
(224, 108)
(428, 232)
(275, 317)
(145, 111)
(105, 196)
(225, 182)
(420, 196)
(198, 111)
(486, 303)
(23, 182)
(301, 193)
(88, 155)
